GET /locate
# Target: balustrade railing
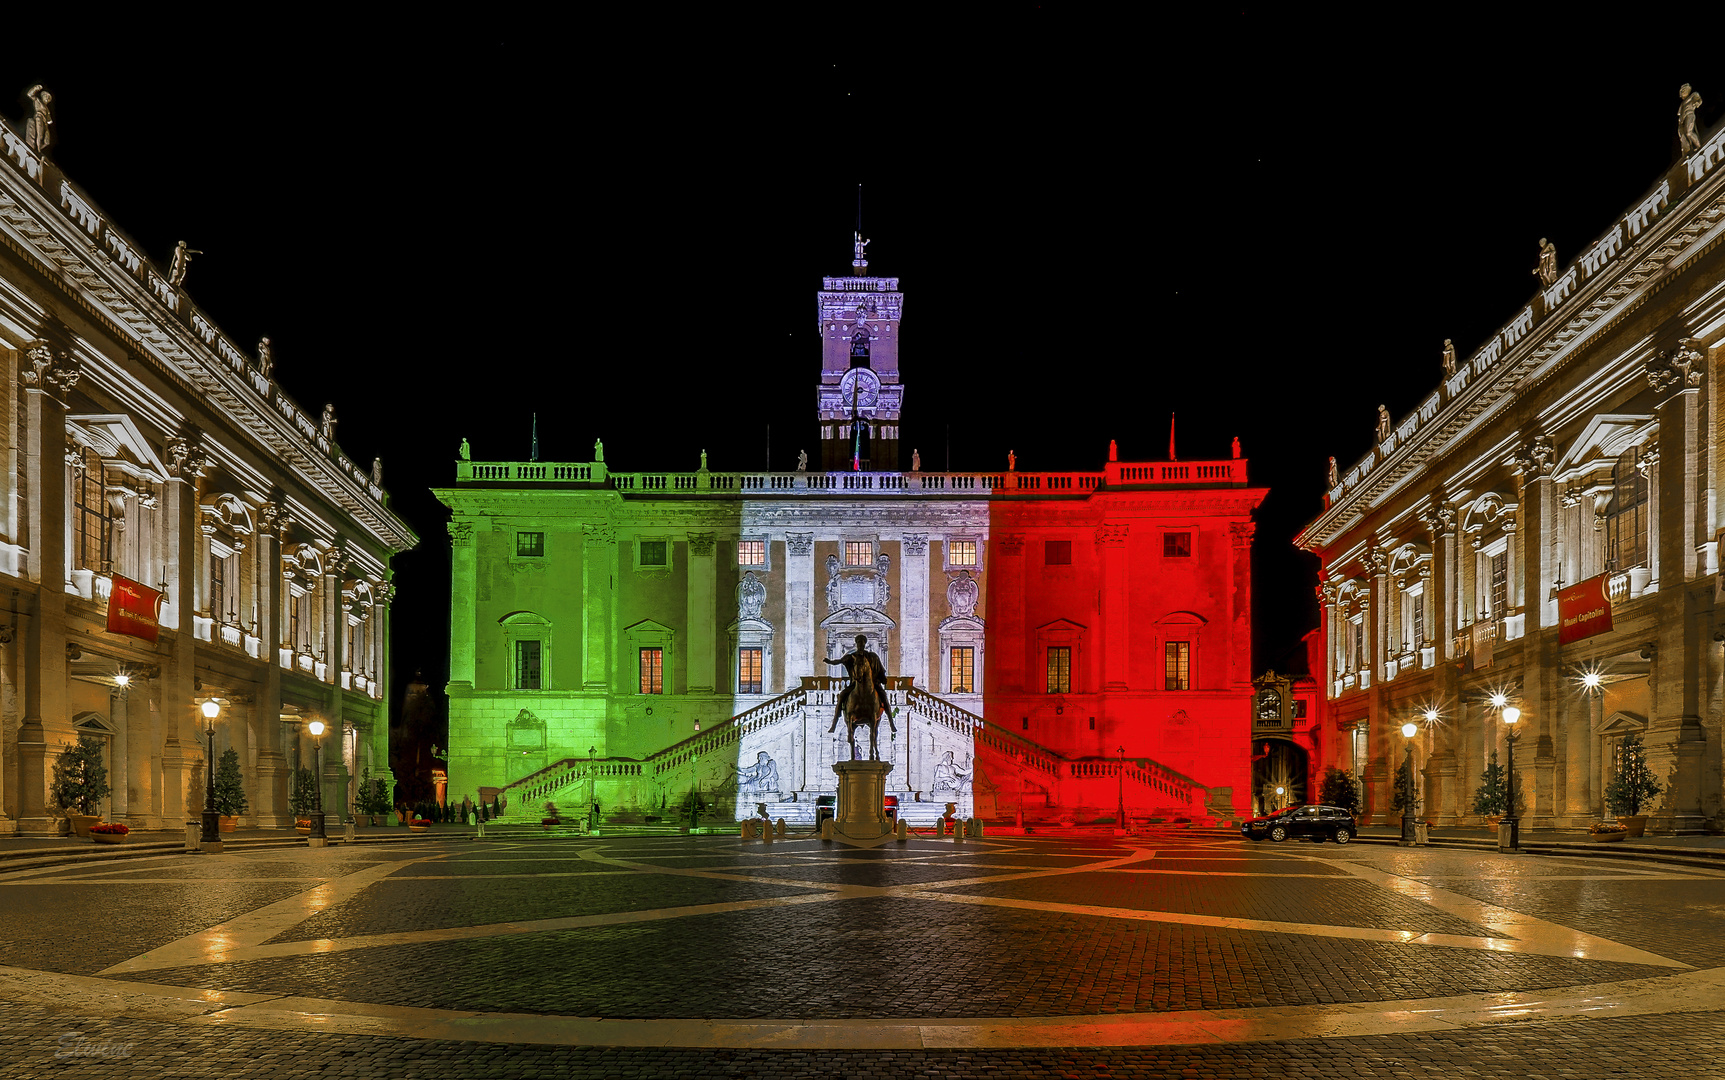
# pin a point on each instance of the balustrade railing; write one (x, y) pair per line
(1232, 472)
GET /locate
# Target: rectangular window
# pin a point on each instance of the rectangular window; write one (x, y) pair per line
(1176, 545)
(1177, 666)
(751, 553)
(1299, 708)
(859, 553)
(218, 587)
(94, 524)
(1060, 669)
(1057, 553)
(1357, 647)
(652, 671)
(1500, 585)
(963, 669)
(961, 553)
(1419, 602)
(529, 545)
(748, 671)
(652, 553)
(527, 668)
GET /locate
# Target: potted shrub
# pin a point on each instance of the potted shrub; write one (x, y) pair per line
(80, 783)
(109, 834)
(302, 799)
(230, 796)
(1633, 787)
(1405, 795)
(1605, 832)
(1491, 798)
(373, 800)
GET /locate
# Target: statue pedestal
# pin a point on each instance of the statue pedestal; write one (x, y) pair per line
(861, 819)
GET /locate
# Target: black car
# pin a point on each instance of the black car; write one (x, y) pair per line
(1310, 822)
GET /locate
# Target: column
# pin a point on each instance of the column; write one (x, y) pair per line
(1676, 738)
(240, 720)
(700, 634)
(1116, 607)
(334, 778)
(597, 554)
(800, 658)
(182, 745)
(1581, 721)
(270, 790)
(120, 799)
(48, 374)
(914, 630)
(463, 601)
(140, 736)
(1240, 602)
(1004, 672)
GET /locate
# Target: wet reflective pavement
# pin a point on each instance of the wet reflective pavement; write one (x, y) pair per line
(1187, 950)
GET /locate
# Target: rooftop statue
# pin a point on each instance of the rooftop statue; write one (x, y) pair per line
(1448, 357)
(1011, 461)
(1547, 272)
(466, 451)
(1113, 450)
(377, 471)
(1383, 423)
(916, 461)
(703, 461)
(177, 268)
(266, 359)
(859, 243)
(327, 425)
(599, 450)
(1689, 101)
(39, 129)
(802, 461)
(1335, 477)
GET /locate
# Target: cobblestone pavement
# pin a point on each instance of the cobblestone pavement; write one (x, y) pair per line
(1187, 953)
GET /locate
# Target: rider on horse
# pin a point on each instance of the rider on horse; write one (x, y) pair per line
(873, 666)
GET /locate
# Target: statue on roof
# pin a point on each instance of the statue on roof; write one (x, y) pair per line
(1113, 450)
(599, 451)
(916, 461)
(177, 268)
(466, 451)
(861, 260)
(39, 129)
(327, 425)
(1448, 357)
(377, 471)
(1335, 477)
(1011, 461)
(1383, 423)
(802, 461)
(1689, 101)
(1547, 272)
(266, 358)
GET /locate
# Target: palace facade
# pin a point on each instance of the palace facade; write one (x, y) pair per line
(1059, 640)
(1543, 531)
(173, 529)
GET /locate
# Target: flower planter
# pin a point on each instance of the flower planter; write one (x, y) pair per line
(302, 826)
(1606, 837)
(1637, 825)
(418, 826)
(108, 838)
(227, 823)
(81, 823)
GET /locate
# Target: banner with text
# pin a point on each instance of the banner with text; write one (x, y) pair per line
(1583, 610)
(132, 609)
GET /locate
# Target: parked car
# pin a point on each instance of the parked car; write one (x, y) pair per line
(1310, 821)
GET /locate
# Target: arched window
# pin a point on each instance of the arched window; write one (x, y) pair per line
(859, 349)
(1626, 525)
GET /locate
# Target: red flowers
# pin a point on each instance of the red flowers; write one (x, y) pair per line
(115, 829)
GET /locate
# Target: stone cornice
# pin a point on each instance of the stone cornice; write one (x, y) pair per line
(1693, 222)
(111, 281)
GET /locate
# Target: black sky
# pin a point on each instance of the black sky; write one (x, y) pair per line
(1266, 222)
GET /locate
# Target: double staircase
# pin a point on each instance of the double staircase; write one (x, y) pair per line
(649, 794)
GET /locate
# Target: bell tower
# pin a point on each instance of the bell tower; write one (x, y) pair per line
(860, 393)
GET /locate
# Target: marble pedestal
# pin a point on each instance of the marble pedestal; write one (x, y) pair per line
(861, 820)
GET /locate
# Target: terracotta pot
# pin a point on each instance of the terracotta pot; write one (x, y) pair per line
(1637, 824)
(1606, 837)
(109, 838)
(227, 823)
(81, 823)
(302, 826)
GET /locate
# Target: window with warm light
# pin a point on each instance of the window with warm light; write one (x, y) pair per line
(653, 671)
(749, 671)
(859, 553)
(1060, 669)
(93, 522)
(963, 678)
(1177, 665)
(751, 553)
(961, 553)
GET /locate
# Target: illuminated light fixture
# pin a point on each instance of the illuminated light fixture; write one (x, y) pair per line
(1511, 714)
(1409, 730)
(315, 727)
(122, 680)
(1590, 680)
(1498, 701)
(1431, 716)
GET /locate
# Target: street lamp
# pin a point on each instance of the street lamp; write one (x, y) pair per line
(212, 834)
(317, 833)
(1509, 829)
(1409, 730)
(1120, 788)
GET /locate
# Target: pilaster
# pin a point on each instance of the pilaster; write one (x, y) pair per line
(1676, 738)
(701, 633)
(799, 608)
(598, 554)
(463, 599)
(914, 629)
(1116, 606)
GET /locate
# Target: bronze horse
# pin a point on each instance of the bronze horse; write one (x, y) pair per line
(864, 708)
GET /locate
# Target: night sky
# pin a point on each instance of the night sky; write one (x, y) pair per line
(1262, 222)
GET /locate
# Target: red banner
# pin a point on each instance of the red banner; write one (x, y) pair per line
(1583, 610)
(132, 609)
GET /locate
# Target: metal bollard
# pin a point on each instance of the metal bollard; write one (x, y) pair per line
(746, 828)
(779, 828)
(957, 831)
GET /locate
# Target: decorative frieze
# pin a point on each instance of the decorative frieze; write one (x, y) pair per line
(916, 544)
(49, 369)
(1106, 535)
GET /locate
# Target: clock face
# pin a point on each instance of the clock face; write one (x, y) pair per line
(1269, 705)
(860, 387)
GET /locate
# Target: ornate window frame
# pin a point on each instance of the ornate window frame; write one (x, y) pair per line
(648, 634)
(526, 626)
(670, 553)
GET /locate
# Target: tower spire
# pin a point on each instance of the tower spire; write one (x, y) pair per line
(859, 264)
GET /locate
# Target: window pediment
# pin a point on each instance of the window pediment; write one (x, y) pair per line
(119, 443)
(1605, 439)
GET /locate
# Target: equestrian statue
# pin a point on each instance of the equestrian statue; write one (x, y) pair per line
(863, 700)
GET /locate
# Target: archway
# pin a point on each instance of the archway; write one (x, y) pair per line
(1279, 770)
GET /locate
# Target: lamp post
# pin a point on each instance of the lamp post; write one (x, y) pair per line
(1408, 732)
(211, 840)
(317, 833)
(1509, 829)
(1121, 790)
